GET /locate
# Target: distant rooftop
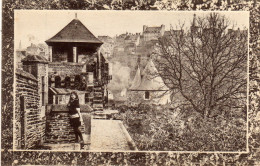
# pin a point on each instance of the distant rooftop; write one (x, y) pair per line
(155, 29)
(132, 37)
(34, 58)
(105, 37)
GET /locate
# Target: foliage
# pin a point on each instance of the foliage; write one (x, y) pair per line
(126, 158)
(254, 81)
(158, 128)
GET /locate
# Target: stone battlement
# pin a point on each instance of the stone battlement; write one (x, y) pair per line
(58, 129)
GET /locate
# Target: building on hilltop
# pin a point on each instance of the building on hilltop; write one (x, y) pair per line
(107, 46)
(132, 38)
(147, 87)
(33, 49)
(153, 33)
(120, 39)
(237, 33)
(172, 33)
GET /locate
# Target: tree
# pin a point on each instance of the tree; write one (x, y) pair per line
(206, 65)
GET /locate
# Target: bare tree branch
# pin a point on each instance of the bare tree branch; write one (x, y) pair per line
(205, 65)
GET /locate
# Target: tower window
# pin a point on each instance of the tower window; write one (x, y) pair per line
(57, 82)
(67, 82)
(147, 95)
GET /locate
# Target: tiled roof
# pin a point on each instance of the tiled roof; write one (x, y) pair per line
(167, 33)
(127, 37)
(131, 37)
(122, 36)
(104, 37)
(25, 74)
(35, 58)
(153, 29)
(75, 31)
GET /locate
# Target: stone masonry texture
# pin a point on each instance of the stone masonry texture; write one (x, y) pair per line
(58, 129)
(29, 130)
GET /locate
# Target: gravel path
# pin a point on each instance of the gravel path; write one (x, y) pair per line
(108, 135)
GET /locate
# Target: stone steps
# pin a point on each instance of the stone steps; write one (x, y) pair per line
(98, 98)
(98, 101)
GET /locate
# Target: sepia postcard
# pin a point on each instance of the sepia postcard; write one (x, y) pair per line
(131, 81)
(157, 82)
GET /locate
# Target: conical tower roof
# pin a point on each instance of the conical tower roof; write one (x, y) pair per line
(151, 81)
(137, 80)
(74, 32)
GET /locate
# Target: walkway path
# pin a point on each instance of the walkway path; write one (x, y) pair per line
(106, 135)
(109, 135)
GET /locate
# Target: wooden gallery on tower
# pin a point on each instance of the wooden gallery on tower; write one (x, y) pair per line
(76, 64)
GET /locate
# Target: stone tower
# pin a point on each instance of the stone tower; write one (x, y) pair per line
(38, 67)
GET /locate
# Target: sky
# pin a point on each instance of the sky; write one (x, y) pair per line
(32, 26)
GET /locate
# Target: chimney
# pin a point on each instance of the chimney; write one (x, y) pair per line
(144, 28)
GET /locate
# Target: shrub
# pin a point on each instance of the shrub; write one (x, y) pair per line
(160, 128)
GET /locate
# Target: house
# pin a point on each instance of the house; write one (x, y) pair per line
(153, 33)
(33, 49)
(148, 87)
(172, 33)
(132, 38)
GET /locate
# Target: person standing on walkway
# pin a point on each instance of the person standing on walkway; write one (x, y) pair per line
(75, 116)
